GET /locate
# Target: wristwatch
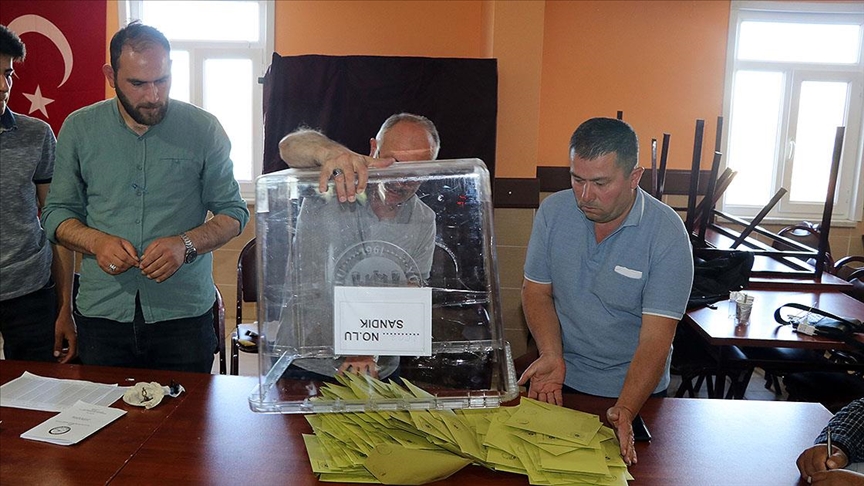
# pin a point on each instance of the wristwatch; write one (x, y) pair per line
(191, 251)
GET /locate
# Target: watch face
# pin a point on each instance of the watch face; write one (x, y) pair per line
(191, 254)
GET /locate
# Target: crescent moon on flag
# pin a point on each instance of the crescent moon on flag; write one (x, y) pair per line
(41, 25)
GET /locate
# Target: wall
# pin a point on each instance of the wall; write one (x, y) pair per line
(661, 62)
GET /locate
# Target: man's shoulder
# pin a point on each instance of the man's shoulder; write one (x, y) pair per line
(30, 123)
(559, 198)
(30, 131)
(100, 108)
(661, 211)
(423, 209)
(185, 112)
(561, 201)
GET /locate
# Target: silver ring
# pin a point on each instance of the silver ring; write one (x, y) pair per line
(337, 173)
(112, 267)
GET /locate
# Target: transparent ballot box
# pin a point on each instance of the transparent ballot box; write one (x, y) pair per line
(402, 282)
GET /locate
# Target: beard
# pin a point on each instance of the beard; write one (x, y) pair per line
(138, 114)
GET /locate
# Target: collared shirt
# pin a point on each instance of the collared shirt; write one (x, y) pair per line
(346, 244)
(26, 159)
(847, 430)
(601, 290)
(140, 188)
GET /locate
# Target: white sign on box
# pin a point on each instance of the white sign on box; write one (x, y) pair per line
(387, 321)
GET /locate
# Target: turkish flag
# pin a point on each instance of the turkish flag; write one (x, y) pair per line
(65, 52)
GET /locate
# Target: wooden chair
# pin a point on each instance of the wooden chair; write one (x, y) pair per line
(805, 233)
(244, 338)
(696, 366)
(219, 328)
(853, 274)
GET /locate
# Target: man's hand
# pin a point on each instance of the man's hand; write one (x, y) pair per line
(163, 257)
(815, 459)
(547, 378)
(349, 171)
(837, 477)
(64, 328)
(621, 419)
(359, 365)
(114, 255)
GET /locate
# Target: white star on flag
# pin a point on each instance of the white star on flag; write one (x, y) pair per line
(38, 102)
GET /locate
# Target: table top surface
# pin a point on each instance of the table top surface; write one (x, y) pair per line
(783, 276)
(718, 328)
(209, 435)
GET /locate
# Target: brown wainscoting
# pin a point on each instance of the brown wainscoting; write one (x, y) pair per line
(515, 193)
(525, 193)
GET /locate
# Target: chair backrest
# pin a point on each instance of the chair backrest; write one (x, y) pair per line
(851, 269)
(247, 279)
(219, 329)
(806, 233)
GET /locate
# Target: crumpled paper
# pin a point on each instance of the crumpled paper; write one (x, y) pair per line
(148, 395)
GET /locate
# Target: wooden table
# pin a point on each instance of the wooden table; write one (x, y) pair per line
(209, 436)
(718, 330)
(778, 272)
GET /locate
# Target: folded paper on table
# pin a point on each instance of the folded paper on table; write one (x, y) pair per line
(74, 424)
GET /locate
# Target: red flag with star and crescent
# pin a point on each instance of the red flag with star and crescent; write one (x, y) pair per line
(65, 52)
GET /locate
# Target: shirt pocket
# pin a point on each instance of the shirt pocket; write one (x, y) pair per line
(620, 287)
(177, 176)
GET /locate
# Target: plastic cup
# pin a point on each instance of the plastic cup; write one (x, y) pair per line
(742, 312)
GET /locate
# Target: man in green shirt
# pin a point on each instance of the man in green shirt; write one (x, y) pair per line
(134, 179)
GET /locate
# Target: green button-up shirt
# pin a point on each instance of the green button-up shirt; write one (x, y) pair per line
(140, 188)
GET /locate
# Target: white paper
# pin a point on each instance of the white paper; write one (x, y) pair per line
(385, 321)
(35, 392)
(74, 424)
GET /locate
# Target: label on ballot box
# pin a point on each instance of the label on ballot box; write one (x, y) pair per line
(382, 321)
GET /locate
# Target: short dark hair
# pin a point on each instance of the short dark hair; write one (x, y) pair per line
(421, 120)
(137, 36)
(11, 45)
(600, 136)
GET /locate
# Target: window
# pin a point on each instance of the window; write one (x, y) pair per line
(795, 72)
(218, 51)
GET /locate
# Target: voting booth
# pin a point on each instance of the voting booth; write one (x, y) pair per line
(401, 282)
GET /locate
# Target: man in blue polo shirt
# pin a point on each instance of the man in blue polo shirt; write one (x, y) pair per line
(607, 277)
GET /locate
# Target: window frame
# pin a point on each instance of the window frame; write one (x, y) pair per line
(259, 53)
(849, 198)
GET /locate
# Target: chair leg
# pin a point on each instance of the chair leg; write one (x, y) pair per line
(235, 354)
(685, 387)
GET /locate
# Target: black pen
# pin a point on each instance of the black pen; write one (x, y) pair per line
(828, 435)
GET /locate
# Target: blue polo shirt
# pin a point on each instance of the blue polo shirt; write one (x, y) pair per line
(601, 290)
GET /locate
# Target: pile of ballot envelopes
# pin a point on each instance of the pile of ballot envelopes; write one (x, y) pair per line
(551, 445)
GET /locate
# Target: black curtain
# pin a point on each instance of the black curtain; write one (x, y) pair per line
(348, 97)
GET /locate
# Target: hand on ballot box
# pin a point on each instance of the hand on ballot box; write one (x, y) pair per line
(359, 365)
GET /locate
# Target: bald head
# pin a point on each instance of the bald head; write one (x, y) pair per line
(406, 137)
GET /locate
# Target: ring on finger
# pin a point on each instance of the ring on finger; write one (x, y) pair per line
(112, 267)
(337, 173)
